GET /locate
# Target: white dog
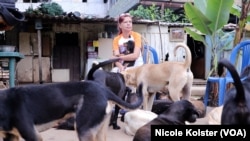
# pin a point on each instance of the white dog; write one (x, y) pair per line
(137, 118)
(214, 116)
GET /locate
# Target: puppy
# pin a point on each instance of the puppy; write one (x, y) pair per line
(236, 107)
(176, 77)
(114, 81)
(177, 114)
(130, 45)
(25, 111)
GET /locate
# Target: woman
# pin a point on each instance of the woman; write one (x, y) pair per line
(127, 44)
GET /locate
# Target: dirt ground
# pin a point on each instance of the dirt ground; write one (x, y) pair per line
(112, 135)
(64, 135)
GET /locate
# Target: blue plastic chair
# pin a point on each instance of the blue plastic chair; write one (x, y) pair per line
(244, 48)
(154, 56)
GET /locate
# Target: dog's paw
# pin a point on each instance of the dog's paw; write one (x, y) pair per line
(122, 118)
(65, 127)
(116, 127)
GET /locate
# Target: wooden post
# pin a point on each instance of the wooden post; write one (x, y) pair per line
(40, 56)
(38, 25)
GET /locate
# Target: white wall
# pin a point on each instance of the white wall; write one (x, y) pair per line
(92, 8)
(158, 38)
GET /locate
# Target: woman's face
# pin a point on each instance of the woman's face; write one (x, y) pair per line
(126, 24)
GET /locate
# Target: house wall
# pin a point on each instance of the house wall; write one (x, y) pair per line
(158, 37)
(154, 36)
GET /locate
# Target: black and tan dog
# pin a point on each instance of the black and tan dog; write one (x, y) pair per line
(176, 114)
(27, 110)
(114, 81)
(236, 108)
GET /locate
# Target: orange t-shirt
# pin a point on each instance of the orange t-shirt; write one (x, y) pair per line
(119, 41)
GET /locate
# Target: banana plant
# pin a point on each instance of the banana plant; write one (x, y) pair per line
(243, 14)
(208, 18)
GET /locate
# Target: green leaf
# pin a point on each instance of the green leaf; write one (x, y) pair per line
(201, 5)
(218, 12)
(199, 20)
(235, 10)
(196, 36)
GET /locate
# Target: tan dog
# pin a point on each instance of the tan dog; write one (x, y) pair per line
(176, 77)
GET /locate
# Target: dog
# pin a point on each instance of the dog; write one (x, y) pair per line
(236, 107)
(27, 110)
(135, 119)
(129, 48)
(214, 116)
(177, 114)
(176, 77)
(98, 74)
(114, 81)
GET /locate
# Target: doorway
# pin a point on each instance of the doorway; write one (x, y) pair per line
(66, 54)
(198, 57)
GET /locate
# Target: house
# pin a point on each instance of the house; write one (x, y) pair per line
(61, 48)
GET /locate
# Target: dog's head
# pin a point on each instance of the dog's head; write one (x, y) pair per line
(181, 111)
(129, 76)
(130, 46)
(236, 109)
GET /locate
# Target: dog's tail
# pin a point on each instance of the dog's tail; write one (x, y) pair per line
(240, 94)
(97, 66)
(188, 59)
(129, 106)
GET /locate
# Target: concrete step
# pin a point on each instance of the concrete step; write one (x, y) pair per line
(198, 90)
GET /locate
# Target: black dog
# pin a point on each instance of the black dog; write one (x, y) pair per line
(176, 114)
(236, 109)
(114, 81)
(27, 110)
(130, 45)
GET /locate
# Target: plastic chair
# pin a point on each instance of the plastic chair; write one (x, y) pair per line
(244, 48)
(153, 54)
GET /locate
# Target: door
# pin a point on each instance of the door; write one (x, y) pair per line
(66, 54)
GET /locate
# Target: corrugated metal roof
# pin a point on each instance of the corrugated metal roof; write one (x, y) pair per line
(90, 19)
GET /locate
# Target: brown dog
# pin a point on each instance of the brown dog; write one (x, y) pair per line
(176, 77)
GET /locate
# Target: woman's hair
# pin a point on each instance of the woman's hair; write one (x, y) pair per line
(121, 19)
